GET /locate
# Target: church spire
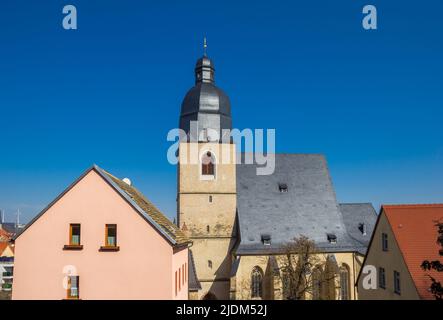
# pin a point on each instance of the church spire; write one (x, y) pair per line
(204, 68)
(206, 104)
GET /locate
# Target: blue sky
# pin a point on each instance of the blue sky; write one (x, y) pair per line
(108, 93)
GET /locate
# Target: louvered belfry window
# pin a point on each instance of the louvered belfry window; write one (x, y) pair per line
(208, 164)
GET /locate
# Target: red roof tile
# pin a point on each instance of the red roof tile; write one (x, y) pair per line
(3, 246)
(416, 234)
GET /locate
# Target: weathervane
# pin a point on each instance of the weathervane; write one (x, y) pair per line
(205, 45)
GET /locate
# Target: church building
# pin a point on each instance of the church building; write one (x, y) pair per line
(232, 232)
(240, 222)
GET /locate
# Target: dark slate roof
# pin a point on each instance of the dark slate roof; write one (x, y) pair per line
(194, 284)
(205, 103)
(308, 208)
(355, 214)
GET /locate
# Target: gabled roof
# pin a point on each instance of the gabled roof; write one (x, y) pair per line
(149, 211)
(355, 214)
(416, 234)
(137, 200)
(308, 207)
(4, 246)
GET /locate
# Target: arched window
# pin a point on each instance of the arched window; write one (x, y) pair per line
(208, 164)
(344, 282)
(257, 283)
(316, 284)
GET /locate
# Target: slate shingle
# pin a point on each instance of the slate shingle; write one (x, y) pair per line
(308, 207)
(355, 214)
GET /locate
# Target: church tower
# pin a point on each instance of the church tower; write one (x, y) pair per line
(206, 193)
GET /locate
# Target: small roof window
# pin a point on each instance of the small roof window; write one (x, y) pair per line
(332, 238)
(266, 239)
(362, 228)
(283, 187)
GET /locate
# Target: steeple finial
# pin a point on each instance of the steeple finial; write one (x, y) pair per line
(204, 69)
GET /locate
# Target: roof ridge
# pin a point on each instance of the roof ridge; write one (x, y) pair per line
(150, 209)
(163, 217)
(348, 203)
(288, 153)
(412, 205)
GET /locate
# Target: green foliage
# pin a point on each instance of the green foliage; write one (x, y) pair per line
(436, 287)
(7, 285)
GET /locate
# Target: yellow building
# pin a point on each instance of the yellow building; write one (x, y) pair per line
(404, 237)
(240, 221)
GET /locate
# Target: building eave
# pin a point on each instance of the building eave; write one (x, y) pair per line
(123, 194)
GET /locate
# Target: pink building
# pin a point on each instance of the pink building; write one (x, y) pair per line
(101, 239)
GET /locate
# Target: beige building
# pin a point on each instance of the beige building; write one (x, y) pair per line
(207, 213)
(404, 237)
(240, 221)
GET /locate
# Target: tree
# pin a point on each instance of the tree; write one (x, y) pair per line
(305, 271)
(436, 287)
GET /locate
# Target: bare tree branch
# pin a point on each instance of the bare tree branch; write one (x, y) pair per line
(304, 271)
